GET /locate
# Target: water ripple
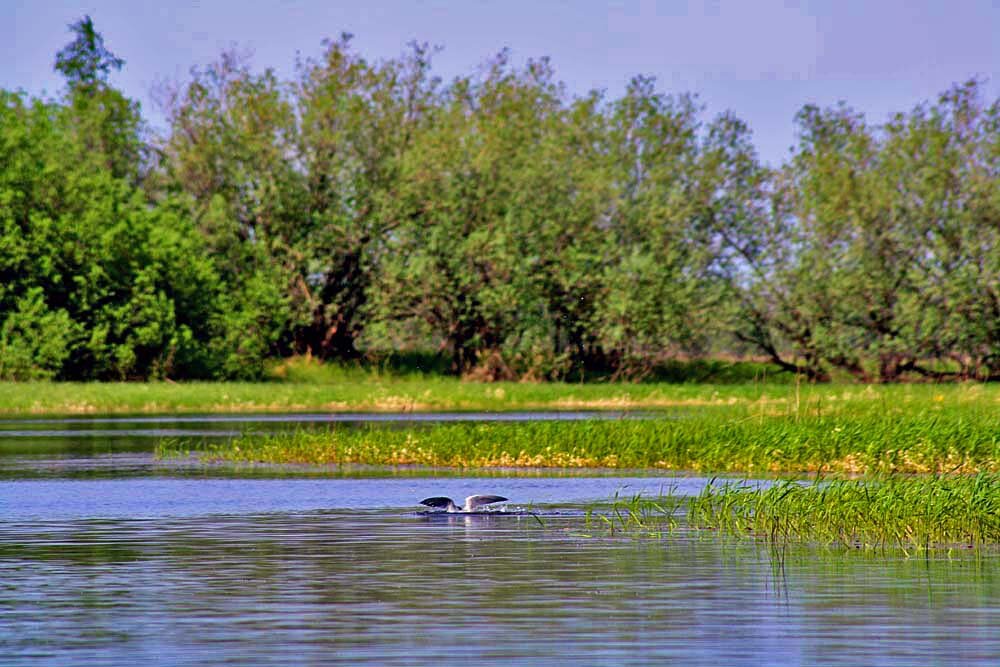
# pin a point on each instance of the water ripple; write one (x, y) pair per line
(389, 588)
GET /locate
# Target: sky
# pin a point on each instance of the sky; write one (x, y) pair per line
(762, 59)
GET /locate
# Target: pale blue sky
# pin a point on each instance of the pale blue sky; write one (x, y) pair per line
(763, 59)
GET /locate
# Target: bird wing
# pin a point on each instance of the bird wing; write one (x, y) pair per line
(472, 502)
(437, 501)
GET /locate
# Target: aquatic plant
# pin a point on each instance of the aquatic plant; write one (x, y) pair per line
(903, 512)
(899, 512)
(636, 514)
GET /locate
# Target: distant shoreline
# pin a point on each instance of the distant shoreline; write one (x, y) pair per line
(428, 394)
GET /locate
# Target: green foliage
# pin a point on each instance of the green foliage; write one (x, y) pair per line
(34, 341)
(366, 209)
(885, 244)
(249, 323)
(466, 270)
(86, 61)
(107, 125)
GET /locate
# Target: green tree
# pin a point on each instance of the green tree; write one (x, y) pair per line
(108, 125)
(483, 189)
(93, 282)
(943, 164)
(798, 299)
(654, 292)
(359, 121)
(882, 245)
(231, 152)
(86, 62)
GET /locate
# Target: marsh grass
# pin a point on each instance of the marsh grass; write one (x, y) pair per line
(636, 515)
(846, 437)
(888, 512)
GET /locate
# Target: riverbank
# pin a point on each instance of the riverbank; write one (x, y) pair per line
(382, 393)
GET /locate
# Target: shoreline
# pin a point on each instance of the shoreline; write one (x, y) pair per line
(436, 394)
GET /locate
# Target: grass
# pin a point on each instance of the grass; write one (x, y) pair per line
(416, 364)
(369, 393)
(948, 435)
(887, 512)
(636, 515)
(346, 390)
(915, 432)
(400, 383)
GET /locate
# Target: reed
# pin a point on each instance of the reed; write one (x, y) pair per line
(892, 512)
(636, 515)
(895, 512)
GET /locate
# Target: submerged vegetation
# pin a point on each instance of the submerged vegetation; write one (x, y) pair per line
(898, 429)
(883, 512)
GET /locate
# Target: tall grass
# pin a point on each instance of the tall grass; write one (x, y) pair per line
(905, 512)
(637, 515)
(846, 438)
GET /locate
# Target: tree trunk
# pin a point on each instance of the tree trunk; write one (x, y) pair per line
(333, 335)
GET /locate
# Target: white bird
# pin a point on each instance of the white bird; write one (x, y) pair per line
(472, 503)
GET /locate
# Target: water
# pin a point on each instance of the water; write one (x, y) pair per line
(150, 564)
(106, 446)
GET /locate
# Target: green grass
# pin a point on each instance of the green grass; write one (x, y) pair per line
(636, 516)
(374, 394)
(889, 512)
(676, 371)
(915, 432)
(334, 390)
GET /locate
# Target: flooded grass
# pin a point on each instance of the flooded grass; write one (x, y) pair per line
(889, 512)
(374, 392)
(846, 438)
(636, 515)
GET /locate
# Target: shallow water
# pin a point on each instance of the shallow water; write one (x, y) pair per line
(170, 425)
(148, 564)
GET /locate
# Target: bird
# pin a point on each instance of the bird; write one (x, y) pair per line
(472, 503)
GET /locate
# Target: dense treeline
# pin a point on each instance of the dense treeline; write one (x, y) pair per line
(367, 207)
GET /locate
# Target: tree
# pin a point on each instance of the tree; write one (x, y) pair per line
(231, 152)
(86, 62)
(365, 208)
(108, 124)
(801, 292)
(944, 161)
(94, 283)
(654, 292)
(359, 121)
(484, 182)
(883, 245)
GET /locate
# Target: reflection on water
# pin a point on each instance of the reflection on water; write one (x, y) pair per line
(214, 424)
(393, 588)
(108, 557)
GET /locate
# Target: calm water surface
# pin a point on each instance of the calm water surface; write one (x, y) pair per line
(156, 563)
